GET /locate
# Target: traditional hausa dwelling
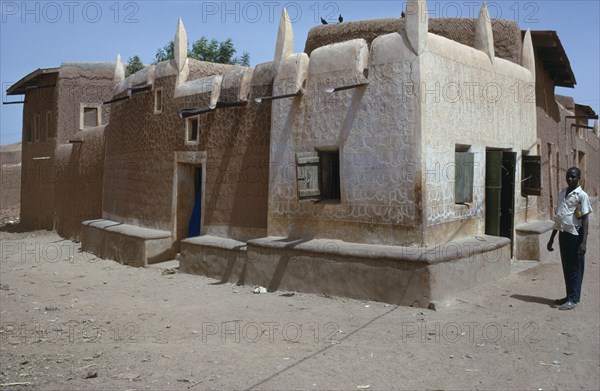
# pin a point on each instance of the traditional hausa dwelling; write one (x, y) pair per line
(393, 160)
(565, 139)
(61, 178)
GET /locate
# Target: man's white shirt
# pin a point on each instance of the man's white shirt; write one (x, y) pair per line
(566, 219)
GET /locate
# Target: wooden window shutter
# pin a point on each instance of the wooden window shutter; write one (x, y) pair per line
(307, 175)
(463, 177)
(531, 170)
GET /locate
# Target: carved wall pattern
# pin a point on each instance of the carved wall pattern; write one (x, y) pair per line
(374, 129)
(140, 158)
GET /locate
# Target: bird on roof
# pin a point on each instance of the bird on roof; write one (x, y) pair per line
(323, 21)
(403, 14)
(340, 19)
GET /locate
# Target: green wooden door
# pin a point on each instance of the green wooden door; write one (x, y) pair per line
(493, 192)
(507, 201)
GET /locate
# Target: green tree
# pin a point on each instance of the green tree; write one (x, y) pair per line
(245, 59)
(134, 64)
(205, 50)
(165, 53)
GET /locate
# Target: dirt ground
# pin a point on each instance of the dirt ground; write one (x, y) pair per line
(10, 193)
(72, 321)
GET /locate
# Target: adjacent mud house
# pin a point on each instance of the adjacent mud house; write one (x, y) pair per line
(564, 139)
(61, 179)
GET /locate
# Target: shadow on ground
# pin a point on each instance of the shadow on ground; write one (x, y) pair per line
(534, 299)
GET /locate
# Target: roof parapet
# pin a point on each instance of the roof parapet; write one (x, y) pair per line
(484, 37)
(235, 86)
(351, 57)
(292, 74)
(209, 84)
(180, 45)
(417, 25)
(285, 40)
(527, 56)
(119, 70)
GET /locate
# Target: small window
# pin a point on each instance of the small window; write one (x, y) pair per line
(318, 175)
(329, 170)
(36, 127)
(158, 101)
(191, 130)
(89, 115)
(28, 132)
(463, 174)
(49, 124)
(531, 175)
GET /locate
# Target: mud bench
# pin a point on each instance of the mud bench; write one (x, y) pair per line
(532, 239)
(125, 243)
(219, 258)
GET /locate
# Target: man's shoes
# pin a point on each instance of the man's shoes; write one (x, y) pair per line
(561, 301)
(569, 305)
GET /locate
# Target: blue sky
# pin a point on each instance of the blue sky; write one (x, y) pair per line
(42, 34)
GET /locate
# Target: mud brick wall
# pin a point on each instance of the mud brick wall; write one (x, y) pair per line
(79, 176)
(38, 174)
(140, 159)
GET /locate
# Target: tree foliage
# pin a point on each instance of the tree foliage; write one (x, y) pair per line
(165, 53)
(205, 50)
(134, 64)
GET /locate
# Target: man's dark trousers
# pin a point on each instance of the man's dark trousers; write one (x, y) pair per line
(572, 263)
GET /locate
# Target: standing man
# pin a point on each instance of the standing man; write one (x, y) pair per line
(572, 222)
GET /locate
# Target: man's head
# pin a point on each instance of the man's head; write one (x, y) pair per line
(573, 177)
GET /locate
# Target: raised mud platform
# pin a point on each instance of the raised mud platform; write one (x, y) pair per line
(210, 256)
(126, 244)
(414, 276)
(532, 239)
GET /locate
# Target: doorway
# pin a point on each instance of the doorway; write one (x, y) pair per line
(196, 215)
(500, 193)
(189, 185)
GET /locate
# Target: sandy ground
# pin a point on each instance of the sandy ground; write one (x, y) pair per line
(72, 321)
(10, 192)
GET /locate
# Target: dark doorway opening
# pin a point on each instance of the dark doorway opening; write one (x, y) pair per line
(500, 193)
(196, 216)
(188, 201)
